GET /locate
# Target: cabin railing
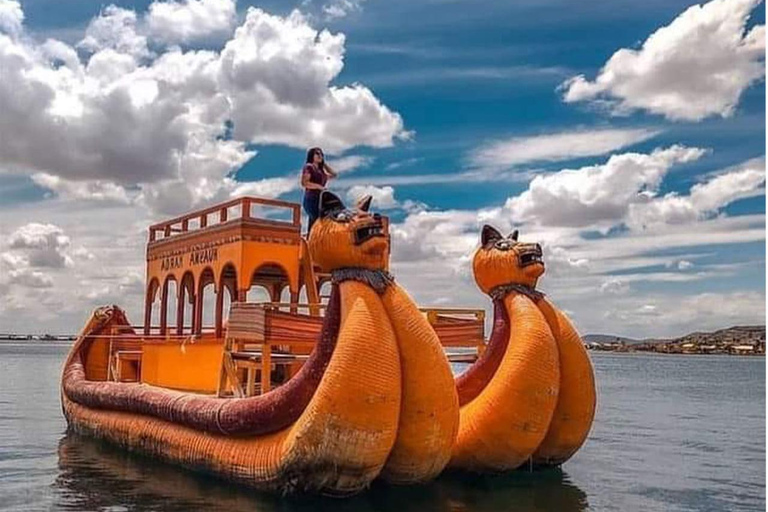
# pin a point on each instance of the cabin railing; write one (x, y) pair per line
(444, 319)
(237, 208)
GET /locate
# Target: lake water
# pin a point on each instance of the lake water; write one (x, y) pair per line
(672, 433)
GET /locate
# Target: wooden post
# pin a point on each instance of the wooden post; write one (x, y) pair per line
(151, 235)
(274, 292)
(250, 384)
(294, 302)
(203, 220)
(147, 311)
(229, 373)
(480, 315)
(219, 309)
(180, 308)
(164, 308)
(197, 313)
(266, 368)
(185, 225)
(193, 302)
(223, 215)
(246, 205)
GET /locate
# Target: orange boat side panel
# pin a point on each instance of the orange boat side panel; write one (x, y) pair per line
(187, 367)
(97, 359)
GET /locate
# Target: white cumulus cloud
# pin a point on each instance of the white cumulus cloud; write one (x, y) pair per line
(115, 28)
(42, 245)
(277, 71)
(597, 194)
(11, 17)
(695, 67)
(383, 197)
(168, 130)
(90, 190)
(703, 199)
(191, 20)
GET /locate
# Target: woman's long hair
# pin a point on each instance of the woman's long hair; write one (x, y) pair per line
(311, 157)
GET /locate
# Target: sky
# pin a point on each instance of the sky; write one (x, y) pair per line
(627, 138)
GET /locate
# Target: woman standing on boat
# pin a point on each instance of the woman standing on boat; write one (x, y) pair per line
(314, 176)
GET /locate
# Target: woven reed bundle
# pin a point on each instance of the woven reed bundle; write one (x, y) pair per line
(502, 427)
(429, 416)
(577, 400)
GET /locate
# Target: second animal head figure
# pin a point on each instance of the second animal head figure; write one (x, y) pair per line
(504, 260)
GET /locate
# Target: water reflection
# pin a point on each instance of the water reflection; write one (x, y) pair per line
(96, 476)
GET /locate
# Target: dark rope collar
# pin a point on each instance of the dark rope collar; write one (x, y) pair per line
(379, 280)
(501, 291)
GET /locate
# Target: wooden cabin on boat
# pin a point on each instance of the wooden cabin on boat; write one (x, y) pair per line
(250, 347)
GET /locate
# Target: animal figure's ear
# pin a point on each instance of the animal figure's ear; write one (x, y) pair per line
(489, 235)
(364, 204)
(329, 202)
(513, 235)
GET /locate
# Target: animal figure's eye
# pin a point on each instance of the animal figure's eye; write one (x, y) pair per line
(504, 244)
(342, 216)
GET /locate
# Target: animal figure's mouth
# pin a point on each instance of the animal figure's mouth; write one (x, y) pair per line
(530, 256)
(368, 231)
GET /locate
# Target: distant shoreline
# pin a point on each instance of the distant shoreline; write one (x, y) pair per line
(739, 340)
(39, 338)
(692, 354)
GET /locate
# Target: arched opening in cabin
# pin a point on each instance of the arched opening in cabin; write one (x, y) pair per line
(185, 310)
(169, 305)
(325, 291)
(228, 282)
(204, 312)
(151, 306)
(285, 295)
(258, 293)
(272, 278)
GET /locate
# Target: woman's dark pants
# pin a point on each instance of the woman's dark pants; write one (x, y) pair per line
(312, 207)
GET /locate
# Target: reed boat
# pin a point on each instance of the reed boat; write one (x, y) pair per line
(329, 379)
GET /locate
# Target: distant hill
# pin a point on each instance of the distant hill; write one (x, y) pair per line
(609, 338)
(735, 334)
(740, 339)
